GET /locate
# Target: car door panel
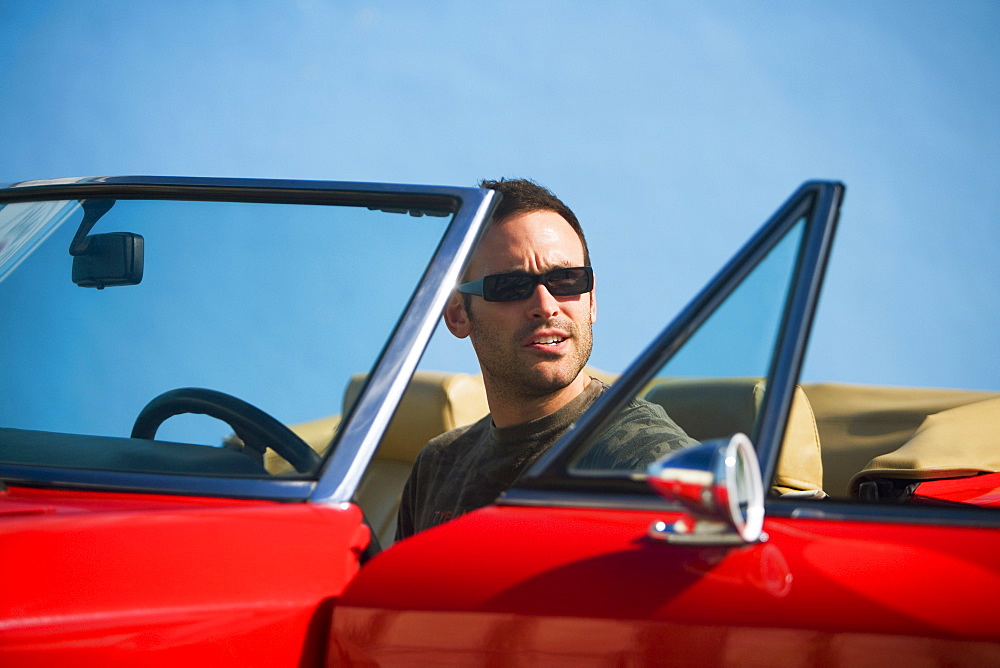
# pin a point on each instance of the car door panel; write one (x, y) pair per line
(110, 579)
(589, 586)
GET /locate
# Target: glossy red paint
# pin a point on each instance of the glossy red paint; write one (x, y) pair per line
(92, 579)
(981, 490)
(565, 586)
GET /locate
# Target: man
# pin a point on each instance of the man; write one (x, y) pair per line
(528, 308)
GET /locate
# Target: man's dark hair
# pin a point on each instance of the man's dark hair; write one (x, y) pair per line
(525, 196)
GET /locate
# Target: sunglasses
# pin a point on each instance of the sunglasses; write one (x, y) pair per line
(561, 282)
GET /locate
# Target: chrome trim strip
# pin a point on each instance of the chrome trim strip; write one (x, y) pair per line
(797, 323)
(646, 500)
(843, 511)
(273, 489)
(365, 424)
(823, 510)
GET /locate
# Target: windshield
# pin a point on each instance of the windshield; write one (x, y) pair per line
(275, 304)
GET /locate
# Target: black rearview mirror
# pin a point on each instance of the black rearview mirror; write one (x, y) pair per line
(115, 258)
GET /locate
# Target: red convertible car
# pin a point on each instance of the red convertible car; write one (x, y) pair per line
(213, 392)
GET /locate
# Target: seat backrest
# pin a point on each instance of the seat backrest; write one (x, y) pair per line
(317, 433)
(434, 402)
(720, 407)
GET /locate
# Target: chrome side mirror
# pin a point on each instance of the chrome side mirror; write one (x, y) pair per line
(719, 484)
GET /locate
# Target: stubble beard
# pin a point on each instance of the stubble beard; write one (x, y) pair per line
(510, 371)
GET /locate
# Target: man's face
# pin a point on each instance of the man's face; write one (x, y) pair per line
(536, 346)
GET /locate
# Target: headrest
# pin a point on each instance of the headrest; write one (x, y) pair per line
(720, 407)
(954, 443)
(434, 402)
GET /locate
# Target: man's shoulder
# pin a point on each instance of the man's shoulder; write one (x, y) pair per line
(640, 415)
(641, 432)
(644, 408)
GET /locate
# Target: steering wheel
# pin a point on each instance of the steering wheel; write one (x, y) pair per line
(254, 427)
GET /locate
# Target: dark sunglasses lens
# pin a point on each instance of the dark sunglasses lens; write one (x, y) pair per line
(559, 282)
(508, 287)
(574, 281)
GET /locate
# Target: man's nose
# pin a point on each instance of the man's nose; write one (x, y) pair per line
(541, 303)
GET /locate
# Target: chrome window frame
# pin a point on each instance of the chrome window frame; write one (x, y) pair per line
(819, 202)
(547, 484)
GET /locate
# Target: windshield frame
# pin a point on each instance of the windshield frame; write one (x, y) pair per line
(364, 425)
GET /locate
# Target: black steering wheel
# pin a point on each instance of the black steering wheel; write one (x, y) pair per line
(254, 427)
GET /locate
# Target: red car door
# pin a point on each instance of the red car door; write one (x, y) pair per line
(109, 579)
(582, 567)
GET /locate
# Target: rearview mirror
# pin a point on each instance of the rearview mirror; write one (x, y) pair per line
(719, 484)
(115, 258)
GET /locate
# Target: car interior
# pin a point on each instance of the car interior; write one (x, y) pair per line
(838, 435)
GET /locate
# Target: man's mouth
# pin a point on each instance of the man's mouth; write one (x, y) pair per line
(547, 340)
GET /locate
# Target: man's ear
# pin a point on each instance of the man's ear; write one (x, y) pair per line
(456, 318)
(593, 306)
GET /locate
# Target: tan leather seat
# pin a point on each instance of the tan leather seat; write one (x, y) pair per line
(859, 422)
(317, 433)
(720, 407)
(434, 402)
(954, 443)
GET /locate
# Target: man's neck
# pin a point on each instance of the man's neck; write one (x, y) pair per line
(508, 411)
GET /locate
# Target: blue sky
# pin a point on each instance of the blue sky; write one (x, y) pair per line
(673, 129)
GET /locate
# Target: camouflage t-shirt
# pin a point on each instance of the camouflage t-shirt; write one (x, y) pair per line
(469, 467)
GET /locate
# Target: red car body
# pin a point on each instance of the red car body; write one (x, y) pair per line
(179, 561)
(585, 587)
(95, 578)
(196, 580)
